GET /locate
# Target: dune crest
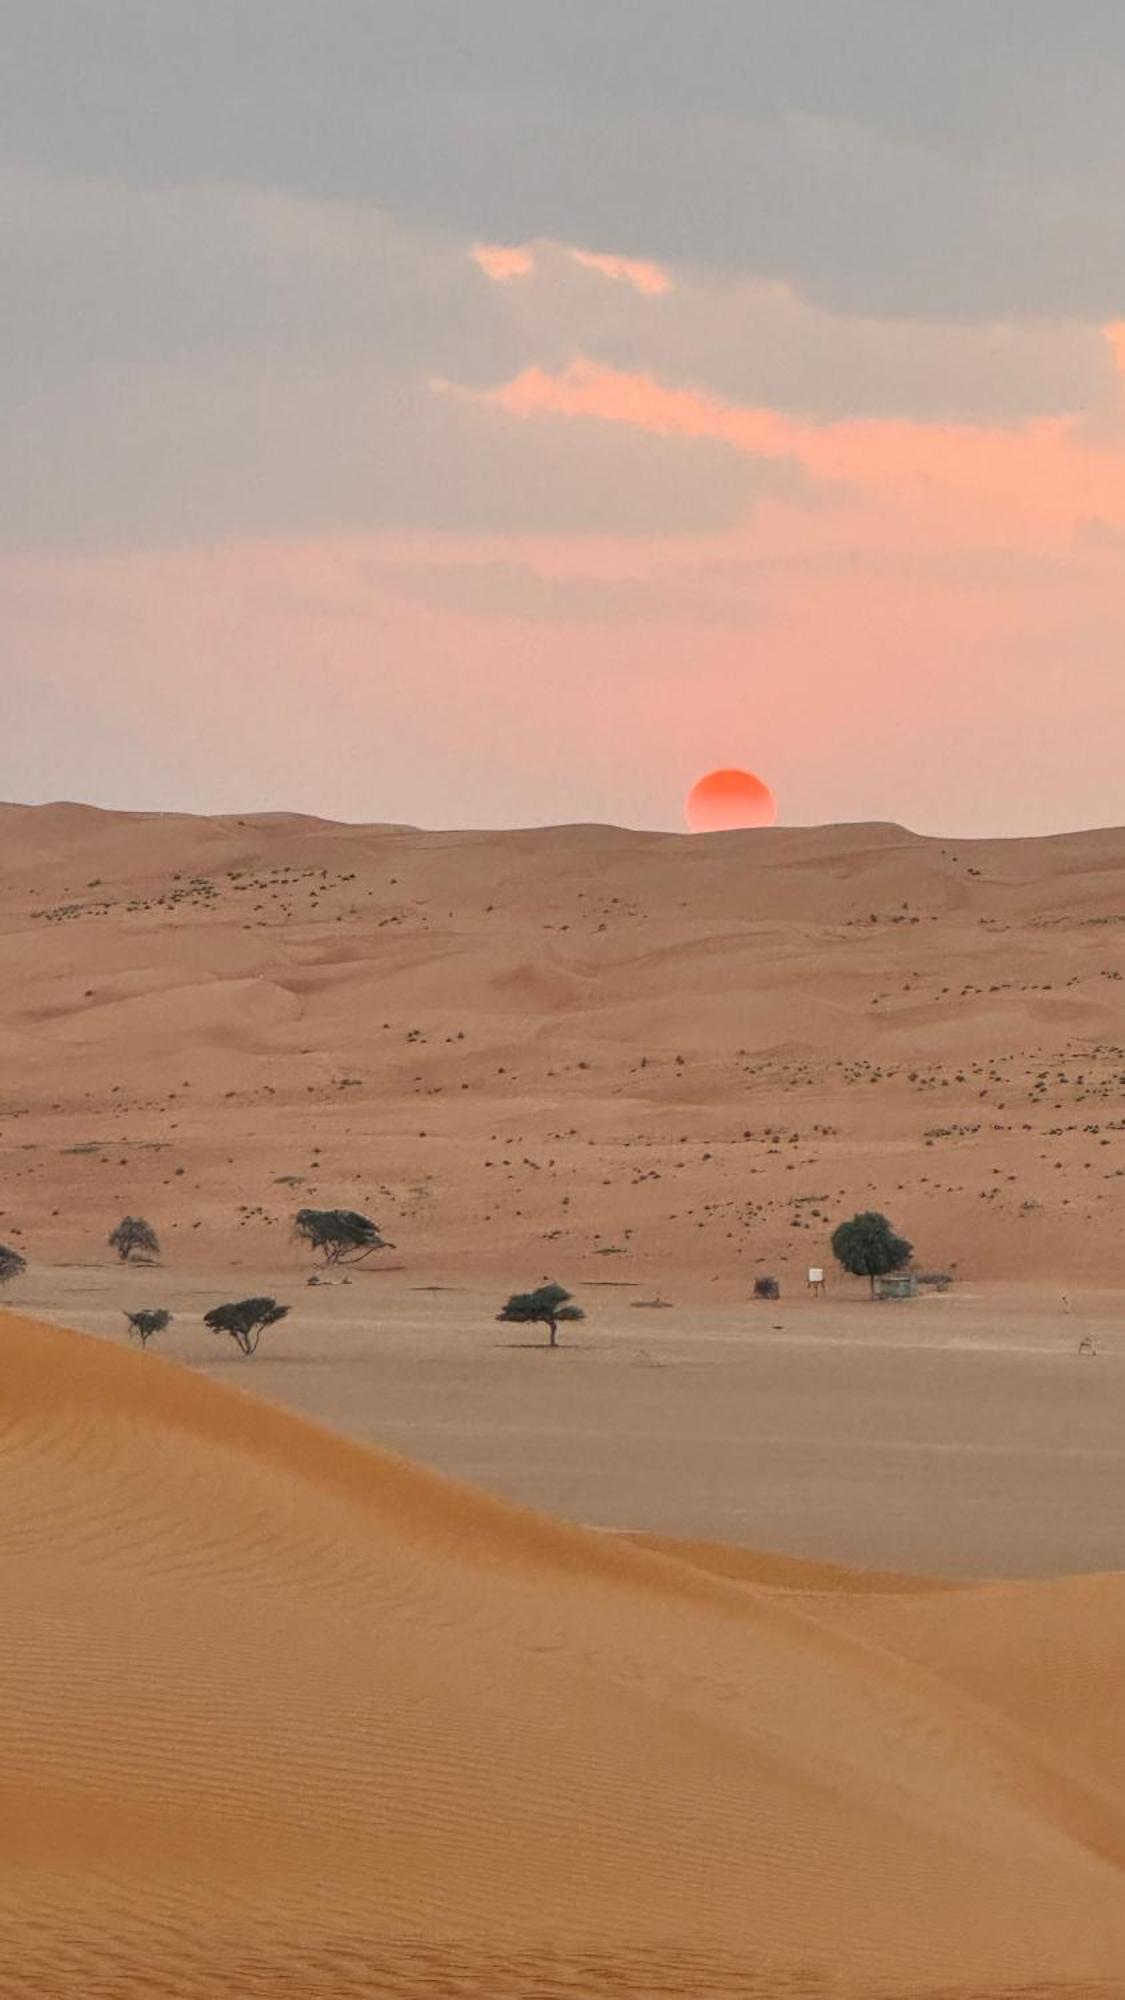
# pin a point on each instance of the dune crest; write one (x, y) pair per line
(283, 1716)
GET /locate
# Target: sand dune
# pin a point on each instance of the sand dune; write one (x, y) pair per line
(528, 1050)
(282, 1716)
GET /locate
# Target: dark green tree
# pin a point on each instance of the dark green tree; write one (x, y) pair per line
(245, 1321)
(134, 1237)
(143, 1324)
(341, 1236)
(550, 1306)
(12, 1265)
(868, 1247)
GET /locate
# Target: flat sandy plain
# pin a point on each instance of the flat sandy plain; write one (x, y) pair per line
(961, 1435)
(772, 1650)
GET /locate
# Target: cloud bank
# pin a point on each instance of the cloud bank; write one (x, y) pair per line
(582, 395)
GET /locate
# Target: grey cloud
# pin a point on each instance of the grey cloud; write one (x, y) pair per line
(157, 458)
(201, 362)
(233, 249)
(895, 156)
(758, 341)
(93, 274)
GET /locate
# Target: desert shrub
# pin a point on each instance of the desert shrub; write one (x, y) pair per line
(766, 1287)
(339, 1234)
(12, 1265)
(868, 1247)
(549, 1306)
(134, 1237)
(150, 1320)
(934, 1281)
(245, 1320)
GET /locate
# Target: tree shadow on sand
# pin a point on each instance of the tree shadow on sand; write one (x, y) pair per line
(538, 1347)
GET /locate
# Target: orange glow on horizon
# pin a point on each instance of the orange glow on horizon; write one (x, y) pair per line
(725, 800)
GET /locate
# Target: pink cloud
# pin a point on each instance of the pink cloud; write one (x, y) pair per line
(1047, 475)
(644, 277)
(501, 261)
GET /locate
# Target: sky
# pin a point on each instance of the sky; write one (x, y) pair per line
(495, 412)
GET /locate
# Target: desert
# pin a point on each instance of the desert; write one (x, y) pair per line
(737, 1646)
(562, 1000)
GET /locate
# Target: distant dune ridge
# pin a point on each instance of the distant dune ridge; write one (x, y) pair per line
(524, 1050)
(282, 1716)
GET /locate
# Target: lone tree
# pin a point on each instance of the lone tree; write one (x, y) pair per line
(549, 1307)
(868, 1247)
(142, 1325)
(12, 1265)
(245, 1320)
(342, 1236)
(134, 1237)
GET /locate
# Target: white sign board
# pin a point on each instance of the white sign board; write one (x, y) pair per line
(816, 1275)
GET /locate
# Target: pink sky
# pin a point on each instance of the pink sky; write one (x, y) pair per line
(307, 505)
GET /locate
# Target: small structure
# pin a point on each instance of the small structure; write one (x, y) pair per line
(816, 1279)
(897, 1285)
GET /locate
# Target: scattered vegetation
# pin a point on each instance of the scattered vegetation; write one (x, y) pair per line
(134, 1237)
(150, 1320)
(868, 1247)
(245, 1320)
(767, 1287)
(341, 1236)
(12, 1265)
(549, 1306)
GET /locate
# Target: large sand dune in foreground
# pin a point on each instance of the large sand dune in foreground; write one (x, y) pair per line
(529, 1052)
(283, 1716)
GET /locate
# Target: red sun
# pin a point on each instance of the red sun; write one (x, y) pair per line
(724, 800)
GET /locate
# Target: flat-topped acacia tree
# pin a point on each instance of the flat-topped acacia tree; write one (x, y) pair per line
(549, 1306)
(245, 1321)
(868, 1247)
(149, 1321)
(12, 1265)
(341, 1236)
(134, 1237)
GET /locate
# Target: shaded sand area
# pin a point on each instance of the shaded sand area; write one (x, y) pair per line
(962, 1434)
(569, 1048)
(283, 1716)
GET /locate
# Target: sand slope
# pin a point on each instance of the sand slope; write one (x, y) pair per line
(527, 1052)
(282, 1716)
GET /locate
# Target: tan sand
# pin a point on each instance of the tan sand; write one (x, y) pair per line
(574, 1050)
(283, 1716)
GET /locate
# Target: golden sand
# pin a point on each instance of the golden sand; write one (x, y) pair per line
(283, 1716)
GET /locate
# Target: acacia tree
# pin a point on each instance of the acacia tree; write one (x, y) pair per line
(150, 1320)
(245, 1320)
(549, 1306)
(12, 1265)
(868, 1247)
(134, 1237)
(341, 1236)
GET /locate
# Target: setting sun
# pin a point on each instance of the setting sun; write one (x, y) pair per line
(725, 800)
